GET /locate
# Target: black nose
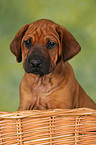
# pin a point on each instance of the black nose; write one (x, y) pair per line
(35, 63)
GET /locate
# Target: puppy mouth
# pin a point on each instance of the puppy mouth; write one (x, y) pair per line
(36, 71)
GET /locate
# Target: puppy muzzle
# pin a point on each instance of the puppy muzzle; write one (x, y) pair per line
(37, 64)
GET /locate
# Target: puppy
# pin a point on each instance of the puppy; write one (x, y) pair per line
(49, 80)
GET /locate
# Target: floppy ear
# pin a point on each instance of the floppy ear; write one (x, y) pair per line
(69, 46)
(15, 45)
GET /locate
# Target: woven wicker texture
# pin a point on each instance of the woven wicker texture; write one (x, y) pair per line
(51, 127)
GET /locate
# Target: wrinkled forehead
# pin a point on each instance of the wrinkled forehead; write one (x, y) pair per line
(41, 32)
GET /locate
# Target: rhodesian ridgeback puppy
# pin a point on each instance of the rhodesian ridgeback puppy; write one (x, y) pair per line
(49, 80)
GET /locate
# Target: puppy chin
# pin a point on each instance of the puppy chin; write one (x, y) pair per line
(36, 71)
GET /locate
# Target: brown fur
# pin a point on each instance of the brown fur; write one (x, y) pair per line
(56, 87)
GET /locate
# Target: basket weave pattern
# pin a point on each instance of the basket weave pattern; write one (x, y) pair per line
(50, 127)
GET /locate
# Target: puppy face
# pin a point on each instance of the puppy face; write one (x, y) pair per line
(42, 44)
(40, 49)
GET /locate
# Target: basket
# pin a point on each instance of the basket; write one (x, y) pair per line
(50, 127)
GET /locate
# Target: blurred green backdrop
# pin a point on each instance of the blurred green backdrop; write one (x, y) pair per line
(79, 17)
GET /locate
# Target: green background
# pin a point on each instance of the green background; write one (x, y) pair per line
(79, 17)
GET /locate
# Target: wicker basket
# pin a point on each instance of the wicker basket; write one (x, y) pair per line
(51, 127)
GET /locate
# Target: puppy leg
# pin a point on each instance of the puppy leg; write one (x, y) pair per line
(85, 100)
(24, 105)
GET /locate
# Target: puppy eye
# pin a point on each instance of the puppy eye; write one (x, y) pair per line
(51, 45)
(27, 43)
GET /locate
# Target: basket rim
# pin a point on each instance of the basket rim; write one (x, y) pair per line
(47, 113)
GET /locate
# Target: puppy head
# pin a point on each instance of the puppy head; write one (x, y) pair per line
(43, 44)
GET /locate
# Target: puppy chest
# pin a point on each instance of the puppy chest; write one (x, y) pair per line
(41, 99)
(39, 103)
